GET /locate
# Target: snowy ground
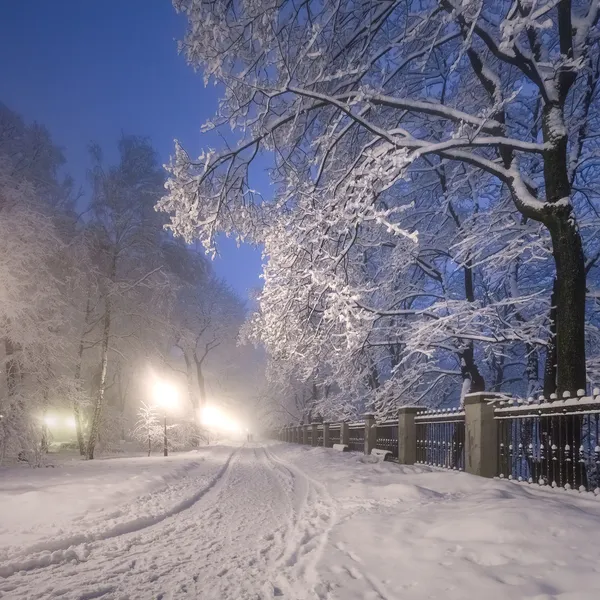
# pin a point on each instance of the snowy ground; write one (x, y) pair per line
(277, 521)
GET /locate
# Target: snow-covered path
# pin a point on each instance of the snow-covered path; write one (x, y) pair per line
(254, 531)
(276, 521)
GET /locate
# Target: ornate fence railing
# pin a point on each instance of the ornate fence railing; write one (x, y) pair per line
(441, 438)
(335, 433)
(320, 435)
(356, 437)
(387, 437)
(552, 442)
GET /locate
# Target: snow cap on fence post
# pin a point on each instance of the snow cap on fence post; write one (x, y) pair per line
(370, 433)
(481, 435)
(407, 435)
(344, 433)
(315, 434)
(305, 434)
(326, 441)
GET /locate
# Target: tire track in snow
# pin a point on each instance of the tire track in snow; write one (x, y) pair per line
(53, 552)
(315, 515)
(253, 503)
(222, 547)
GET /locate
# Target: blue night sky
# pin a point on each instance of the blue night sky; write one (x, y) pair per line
(90, 71)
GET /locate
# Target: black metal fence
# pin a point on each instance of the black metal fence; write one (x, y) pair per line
(441, 438)
(553, 442)
(387, 437)
(320, 435)
(356, 437)
(550, 442)
(335, 435)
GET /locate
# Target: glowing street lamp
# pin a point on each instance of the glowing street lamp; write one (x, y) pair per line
(50, 421)
(165, 397)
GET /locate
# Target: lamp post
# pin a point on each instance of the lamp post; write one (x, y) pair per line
(165, 396)
(165, 440)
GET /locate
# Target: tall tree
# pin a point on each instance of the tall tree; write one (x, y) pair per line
(127, 247)
(353, 100)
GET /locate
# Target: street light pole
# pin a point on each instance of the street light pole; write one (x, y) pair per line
(165, 446)
(165, 397)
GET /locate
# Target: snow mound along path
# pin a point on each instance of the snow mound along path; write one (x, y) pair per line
(421, 533)
(176, 486)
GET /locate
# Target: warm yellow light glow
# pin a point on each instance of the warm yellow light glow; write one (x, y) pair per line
(165, 395)
(214, 418)
(50, 420)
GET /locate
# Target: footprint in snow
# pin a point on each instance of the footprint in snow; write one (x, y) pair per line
(354, 573)
(277, 591)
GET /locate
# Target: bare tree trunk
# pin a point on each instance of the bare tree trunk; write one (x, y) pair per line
(98, 406)
(497, 366)
(13, 366)
(570, 303)
(122, 389)
(468, 366)
(373, 375)
(192, 396)
(558, 217)
(532, 369)
(201, 383)
(76, 406)
(190, 382)
(45, 442)
(13, 378)
(469, 369)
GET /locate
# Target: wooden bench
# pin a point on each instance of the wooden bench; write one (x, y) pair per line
(340, 447)
(384, 454)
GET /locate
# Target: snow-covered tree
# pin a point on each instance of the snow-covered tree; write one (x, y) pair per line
(364, 108)
(34, 313)
(126, 242)
(147, 429)
(90, 299)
